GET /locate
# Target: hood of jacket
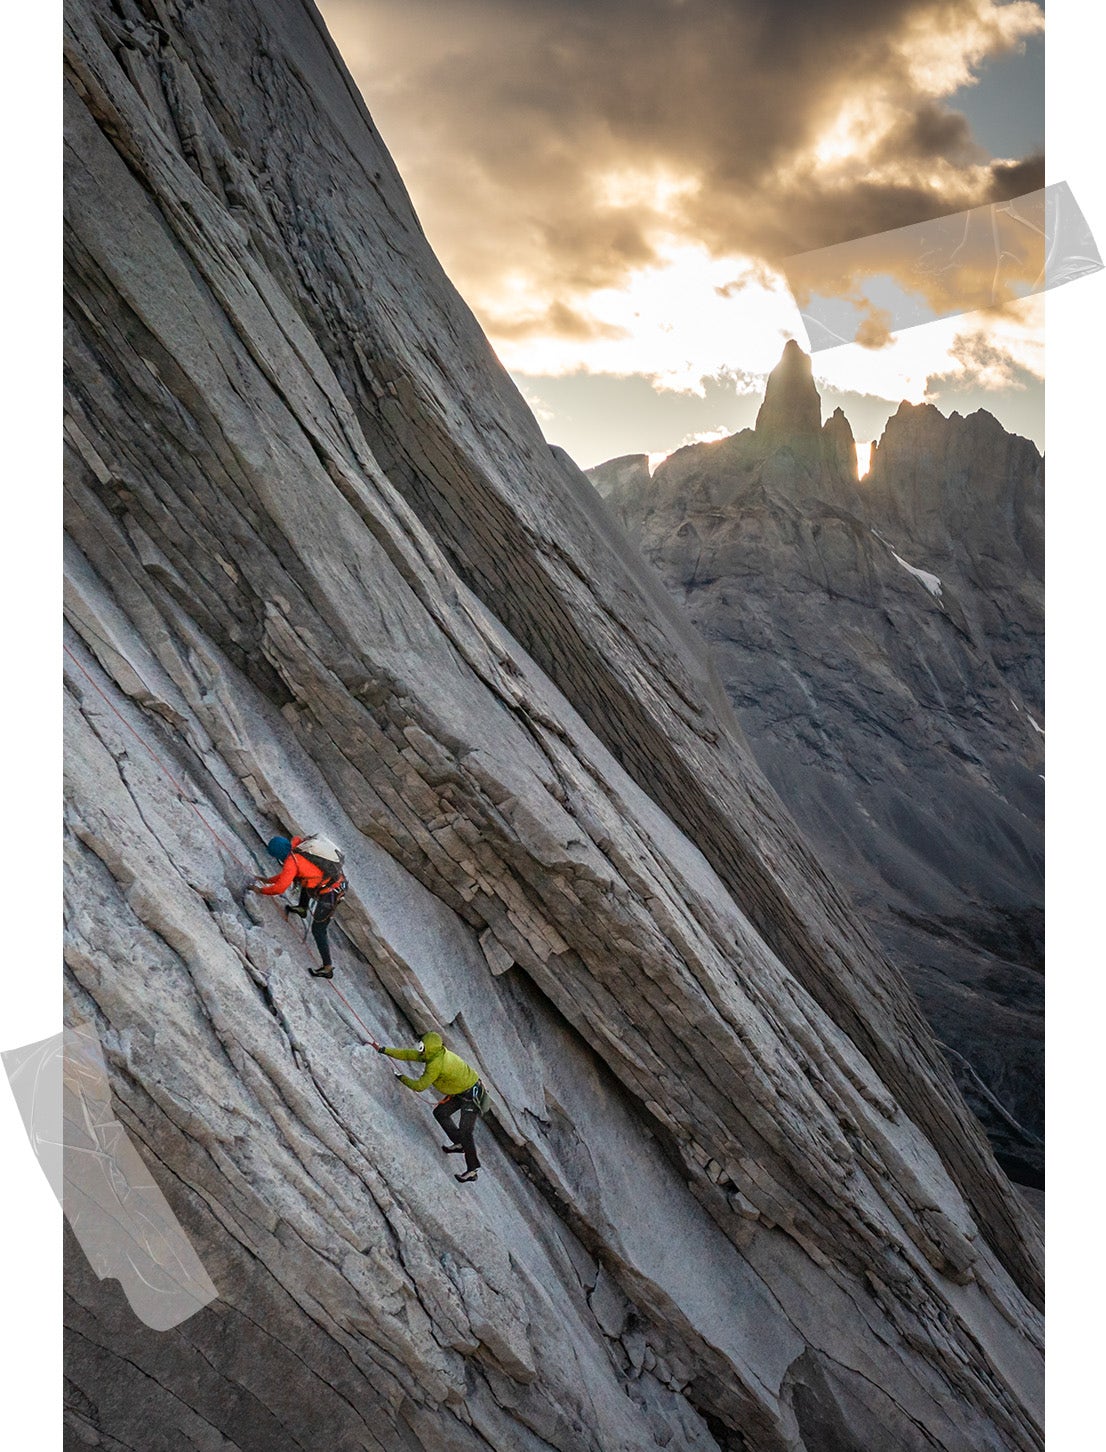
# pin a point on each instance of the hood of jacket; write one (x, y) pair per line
(432, 1046)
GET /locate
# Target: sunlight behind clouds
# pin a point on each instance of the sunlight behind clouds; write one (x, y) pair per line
(685, 317)
(692, 316)
(615, 188)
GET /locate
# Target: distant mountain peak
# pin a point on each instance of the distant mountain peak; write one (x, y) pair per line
(627, 472)
(839, 444)
(792, 409)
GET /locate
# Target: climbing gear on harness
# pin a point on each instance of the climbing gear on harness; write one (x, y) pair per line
(477, 1097)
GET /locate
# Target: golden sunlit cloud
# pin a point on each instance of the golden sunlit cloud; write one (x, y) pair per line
(683, 321)
(939, 60)
(614, 188)
(656, 190)
(992, 352)
(685, 317)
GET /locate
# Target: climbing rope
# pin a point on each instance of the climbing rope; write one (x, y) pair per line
(248, 867)
(352, 1010)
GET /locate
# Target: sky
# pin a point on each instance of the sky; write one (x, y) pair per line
(615, 187)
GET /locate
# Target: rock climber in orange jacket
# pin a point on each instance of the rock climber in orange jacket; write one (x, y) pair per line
(314, 883)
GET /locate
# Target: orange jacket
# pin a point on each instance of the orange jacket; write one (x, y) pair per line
(295, 869)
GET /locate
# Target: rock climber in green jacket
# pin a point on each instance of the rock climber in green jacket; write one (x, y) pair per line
(464, 1095)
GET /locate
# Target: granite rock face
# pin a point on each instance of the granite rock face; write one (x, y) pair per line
(324, 573)
(883, 643)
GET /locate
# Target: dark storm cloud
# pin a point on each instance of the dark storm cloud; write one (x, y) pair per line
(931, 130)
(505, 116)
(1016, 178)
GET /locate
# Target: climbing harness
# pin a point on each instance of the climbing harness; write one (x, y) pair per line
(477, 1094)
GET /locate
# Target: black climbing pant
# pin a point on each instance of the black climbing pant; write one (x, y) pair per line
(328, 901)
(464, 1105)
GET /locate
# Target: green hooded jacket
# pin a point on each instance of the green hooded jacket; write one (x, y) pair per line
(446, 1071)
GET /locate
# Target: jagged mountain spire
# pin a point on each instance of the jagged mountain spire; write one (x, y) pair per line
(839, 445)
(791, 411)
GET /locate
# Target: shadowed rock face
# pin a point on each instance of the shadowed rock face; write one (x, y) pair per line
(883, 642)
(321, 561)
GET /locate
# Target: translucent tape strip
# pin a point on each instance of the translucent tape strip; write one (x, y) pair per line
(981, 259)
(121, 1219)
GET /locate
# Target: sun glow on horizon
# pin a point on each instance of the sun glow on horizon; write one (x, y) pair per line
(675, 320)
(863, 457)
(688, 317)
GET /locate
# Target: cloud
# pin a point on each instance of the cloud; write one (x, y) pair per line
(995, 358)
(875, 330)
(538, 406)
(926, 130)
(982, 259)
(557, 319)
(562, 153)
(974, 351)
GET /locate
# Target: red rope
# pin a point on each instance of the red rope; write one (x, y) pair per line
(112, 707)
(352, 1010)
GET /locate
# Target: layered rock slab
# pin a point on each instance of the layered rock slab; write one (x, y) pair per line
(567, 862)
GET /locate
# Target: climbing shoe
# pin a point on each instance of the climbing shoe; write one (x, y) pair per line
(466, 1177)
(326, 971)
(294, 912)
(453, 1149)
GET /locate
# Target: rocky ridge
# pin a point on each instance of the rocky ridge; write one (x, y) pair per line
(321, 562)
(883, 643)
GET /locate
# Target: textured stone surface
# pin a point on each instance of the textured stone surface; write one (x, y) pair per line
(320, 560)
(883, 642)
